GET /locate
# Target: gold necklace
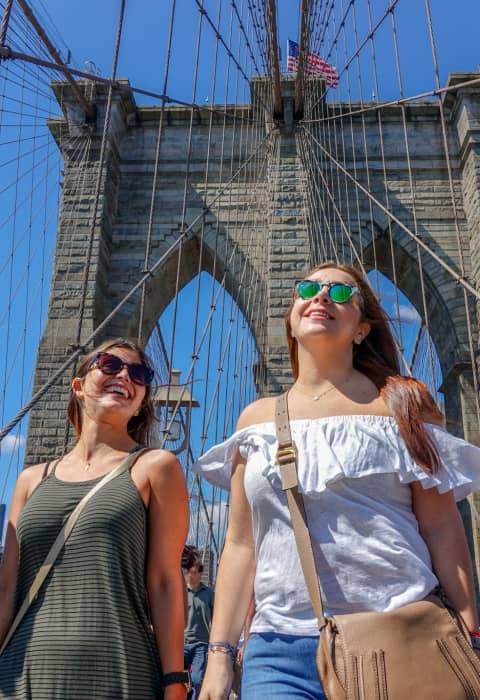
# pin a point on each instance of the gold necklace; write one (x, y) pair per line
(315, 397)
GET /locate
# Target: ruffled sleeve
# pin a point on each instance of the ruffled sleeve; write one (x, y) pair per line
(460, 468)
(360, 446)
(216, 464)
(339, 447)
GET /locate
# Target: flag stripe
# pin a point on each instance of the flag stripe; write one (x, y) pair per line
(314, 65)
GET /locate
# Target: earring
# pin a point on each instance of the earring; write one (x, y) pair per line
(359, 339)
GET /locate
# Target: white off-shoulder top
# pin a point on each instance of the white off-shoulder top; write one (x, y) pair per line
(354, 472)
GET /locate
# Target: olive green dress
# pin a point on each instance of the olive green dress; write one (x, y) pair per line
(87, 636)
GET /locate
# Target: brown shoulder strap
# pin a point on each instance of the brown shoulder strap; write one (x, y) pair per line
(61, 539)
(287, 460)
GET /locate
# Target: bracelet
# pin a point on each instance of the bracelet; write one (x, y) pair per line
(223, 648)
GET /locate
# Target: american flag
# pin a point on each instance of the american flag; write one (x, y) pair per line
(315, 64)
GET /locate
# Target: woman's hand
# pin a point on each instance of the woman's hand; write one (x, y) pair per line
(240, 653)
(218, 678)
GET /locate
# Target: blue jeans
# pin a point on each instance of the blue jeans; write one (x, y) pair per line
(280, 667)
(195, 659)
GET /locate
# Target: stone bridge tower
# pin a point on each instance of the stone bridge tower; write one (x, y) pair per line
(273, 253)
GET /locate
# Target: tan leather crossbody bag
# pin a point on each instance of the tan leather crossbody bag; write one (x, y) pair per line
(422, 651)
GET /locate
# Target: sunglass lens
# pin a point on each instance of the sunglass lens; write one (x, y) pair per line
(307, 289)
(109, 364)
(140, 373)
(340, 293)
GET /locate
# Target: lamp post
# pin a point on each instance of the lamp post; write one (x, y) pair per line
(173, 403)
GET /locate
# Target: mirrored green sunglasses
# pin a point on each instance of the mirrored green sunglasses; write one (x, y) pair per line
(337, 292)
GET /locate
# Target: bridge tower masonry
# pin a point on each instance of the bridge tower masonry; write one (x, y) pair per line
(110, 250)
(118, 241)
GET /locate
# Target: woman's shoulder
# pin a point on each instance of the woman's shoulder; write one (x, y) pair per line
(260, 411)
(29, 478)
(33, 472)
(161, 469)
(154, 459)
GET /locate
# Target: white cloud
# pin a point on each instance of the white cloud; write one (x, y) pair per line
(385, 297)
(219, 514)
(11, 443)
(408, 314)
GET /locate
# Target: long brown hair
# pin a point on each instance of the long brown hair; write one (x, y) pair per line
(138, 426)
(377, 357)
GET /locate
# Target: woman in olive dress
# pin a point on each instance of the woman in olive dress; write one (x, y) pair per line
(108, 620)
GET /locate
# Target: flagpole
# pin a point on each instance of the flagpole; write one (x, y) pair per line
(302, 58)
(277, 92)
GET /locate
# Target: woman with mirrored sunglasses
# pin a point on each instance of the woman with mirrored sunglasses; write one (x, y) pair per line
(108, 620)
(379, 477)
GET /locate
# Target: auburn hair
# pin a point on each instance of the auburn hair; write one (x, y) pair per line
(408, 399)
(138, 426)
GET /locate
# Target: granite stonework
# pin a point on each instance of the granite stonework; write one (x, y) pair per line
(258, 232)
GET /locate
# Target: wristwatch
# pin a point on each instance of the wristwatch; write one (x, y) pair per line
(182, 677)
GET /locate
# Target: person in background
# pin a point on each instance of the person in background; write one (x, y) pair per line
(200, 610)
(108, 620)
(379, 476)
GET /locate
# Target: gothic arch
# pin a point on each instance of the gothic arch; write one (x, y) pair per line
(444, 331)
(163, 287)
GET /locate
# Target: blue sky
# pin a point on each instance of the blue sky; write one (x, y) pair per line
(87, 29)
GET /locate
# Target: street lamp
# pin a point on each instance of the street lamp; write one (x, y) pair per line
(173, 403)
